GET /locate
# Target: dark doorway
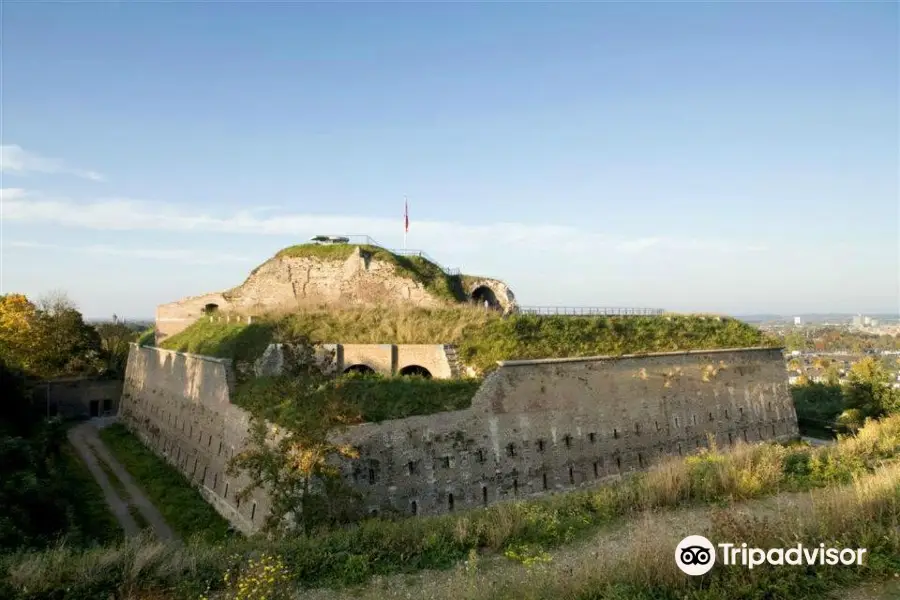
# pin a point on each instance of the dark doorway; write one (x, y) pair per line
(485, 296)
(361, 369)
(415, 371)
(107, 405)
(210, 308)
(95, 408)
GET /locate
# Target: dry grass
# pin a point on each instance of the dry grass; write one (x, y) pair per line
(641, 565)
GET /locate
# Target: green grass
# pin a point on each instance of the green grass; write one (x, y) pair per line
(483, 337)
(238, 341)
(179, 502)
(95, 523)
(147, 337)
(373, 398)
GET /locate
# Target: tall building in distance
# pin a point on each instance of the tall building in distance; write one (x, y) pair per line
(858, 321)
(798, 321)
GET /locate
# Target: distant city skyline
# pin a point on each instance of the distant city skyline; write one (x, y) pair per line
(737, 158)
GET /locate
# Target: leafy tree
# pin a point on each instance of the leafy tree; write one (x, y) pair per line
(869, 393)
(114, 340)
(47, 340)
(19, 338)
(298, 466)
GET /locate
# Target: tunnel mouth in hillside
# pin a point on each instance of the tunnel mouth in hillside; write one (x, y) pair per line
(483, 294)
(415, 371)
(360, 369)
(210, 308)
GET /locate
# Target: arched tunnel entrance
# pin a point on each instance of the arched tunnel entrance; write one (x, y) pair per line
(415, 371)
(360, 370)
(485, 296)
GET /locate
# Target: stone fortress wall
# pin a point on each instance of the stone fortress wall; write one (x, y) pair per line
(432, 360)
(534, 426)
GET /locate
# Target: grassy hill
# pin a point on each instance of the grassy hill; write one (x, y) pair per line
(483, 337)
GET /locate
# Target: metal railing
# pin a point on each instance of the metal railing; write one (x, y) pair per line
(365, 240)
(589, 311)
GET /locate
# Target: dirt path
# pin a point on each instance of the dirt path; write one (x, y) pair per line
(92, 450)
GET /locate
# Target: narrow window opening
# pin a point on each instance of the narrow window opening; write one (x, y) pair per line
(371, 475)
(253, 512)
(773, 430)
(710, 416)
(515, 487)
(568, 440)
(592, 437)
(203, 478)
(640, 460)
(484, 495)
(741, 409)
(637, 428)
(656, 423)
(745, 435)
(450, 501)
(414, 507)
(619, 462)
(226, 490)
(511, 450)
(215, 481)
(480, 456)
(676, 422)
(596, 470)
(726, 414)
(446, 462)
(679, 450)
(571, 476)
(694, 419)
(615, 434)
(544, 479)
(411, 467)
(730, 439)
(540, 445)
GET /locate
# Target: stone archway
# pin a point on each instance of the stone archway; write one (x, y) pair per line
(483, 294)
(415, 371)
(360, 369)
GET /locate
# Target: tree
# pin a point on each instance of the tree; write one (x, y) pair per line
(296, 461)
(868, 394)
(19, 338)
(114, 340)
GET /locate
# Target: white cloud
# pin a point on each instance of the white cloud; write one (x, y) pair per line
(179, 255)
(15, 159)
(439, 236)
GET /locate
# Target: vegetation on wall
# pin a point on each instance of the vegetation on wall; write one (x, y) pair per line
(369, 398)
(483, 337)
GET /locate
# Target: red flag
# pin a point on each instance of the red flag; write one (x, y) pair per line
(405, 216)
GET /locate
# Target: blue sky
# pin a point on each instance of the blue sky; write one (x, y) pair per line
(733, 158)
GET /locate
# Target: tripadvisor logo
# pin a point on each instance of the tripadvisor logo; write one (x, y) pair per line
(696, 555)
